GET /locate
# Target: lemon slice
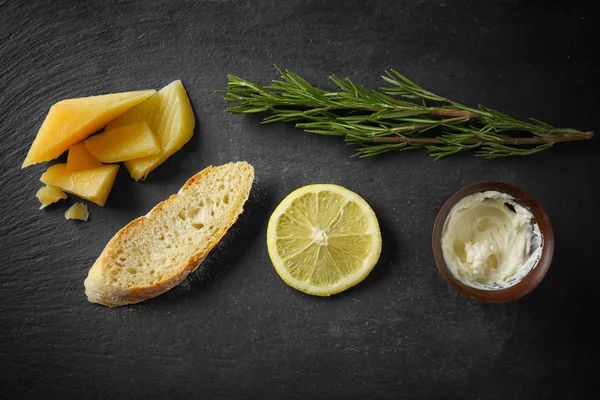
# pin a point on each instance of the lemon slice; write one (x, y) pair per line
(323, 239)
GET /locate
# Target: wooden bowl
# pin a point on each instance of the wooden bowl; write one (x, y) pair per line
(532, 279)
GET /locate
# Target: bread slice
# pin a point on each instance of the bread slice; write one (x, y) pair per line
(156, 252)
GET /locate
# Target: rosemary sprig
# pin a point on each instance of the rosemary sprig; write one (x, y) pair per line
(402, 116)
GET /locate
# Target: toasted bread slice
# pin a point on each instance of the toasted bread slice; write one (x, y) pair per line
(156, 252)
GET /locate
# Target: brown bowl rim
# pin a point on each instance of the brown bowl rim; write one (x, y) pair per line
(532, 279)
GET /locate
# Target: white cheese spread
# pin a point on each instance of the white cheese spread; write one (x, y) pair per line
(490, 242)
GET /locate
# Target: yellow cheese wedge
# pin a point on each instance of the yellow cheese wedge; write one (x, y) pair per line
(124, 143)
(80, 158)
(170, 116)
(92, 184)
(49, 194)
(71, 121)
(77, 211)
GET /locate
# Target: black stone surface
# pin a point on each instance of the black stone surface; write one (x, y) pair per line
(234, 329)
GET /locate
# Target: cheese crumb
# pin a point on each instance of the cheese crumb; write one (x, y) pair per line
(49, 194)
(77, 211)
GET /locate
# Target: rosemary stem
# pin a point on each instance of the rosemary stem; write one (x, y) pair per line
(566, 138)
(429, 125)
(442, 112)
(449, 112)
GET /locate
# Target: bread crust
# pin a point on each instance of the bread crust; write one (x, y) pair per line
(99, 290)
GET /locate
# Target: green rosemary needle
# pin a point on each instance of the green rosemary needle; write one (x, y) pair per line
(402, 116)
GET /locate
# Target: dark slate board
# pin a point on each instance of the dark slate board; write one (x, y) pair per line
(234, 329)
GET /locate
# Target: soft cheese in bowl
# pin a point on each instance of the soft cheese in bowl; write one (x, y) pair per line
(493, 242)
(489, 241)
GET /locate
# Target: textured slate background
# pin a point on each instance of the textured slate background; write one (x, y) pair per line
(234, 329)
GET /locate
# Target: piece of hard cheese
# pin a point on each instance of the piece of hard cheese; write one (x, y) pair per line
(170, 116)
(71, 121)
(124, 143)
(77, 211)
(92, 184)
(80, 158)
(49, 194)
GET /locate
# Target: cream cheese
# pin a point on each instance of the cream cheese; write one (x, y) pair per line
(490, 242)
